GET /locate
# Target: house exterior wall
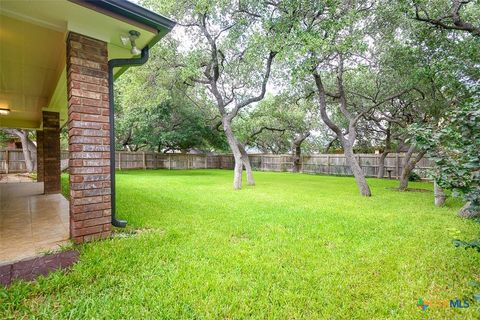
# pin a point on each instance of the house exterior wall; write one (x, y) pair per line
(89, 144)
(51, 152)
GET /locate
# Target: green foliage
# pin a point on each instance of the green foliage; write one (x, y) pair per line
(454, 147)
(64, 138)
(276, 121)
(474, 244)
(227, 55)
(154, 111)
(413, 176)
(4, 138)
(386, 50)
(170, 125)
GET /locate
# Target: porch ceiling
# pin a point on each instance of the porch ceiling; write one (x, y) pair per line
(31, 60)
(32, 50)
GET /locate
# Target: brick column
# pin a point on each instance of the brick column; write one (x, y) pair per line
(89, 144)
(51, 152)
(40, 169)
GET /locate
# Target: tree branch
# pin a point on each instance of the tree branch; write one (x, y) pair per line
(393, 96)
(260, 96)
(323, 104)
(454, 16)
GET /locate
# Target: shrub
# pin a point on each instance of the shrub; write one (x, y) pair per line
(413, 176)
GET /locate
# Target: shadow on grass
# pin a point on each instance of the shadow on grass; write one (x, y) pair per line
(173, 173)
(410, 190)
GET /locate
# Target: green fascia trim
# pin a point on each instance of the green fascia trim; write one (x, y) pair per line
(160, 34)
(137, 13)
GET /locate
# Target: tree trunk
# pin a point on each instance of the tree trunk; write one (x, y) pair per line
(439, 194)
(232, 142)
(237, 174)
(297, 149)
(404, 179)
(28, 148)
(32, 148)
(347, 143)
(356, 170)
(406, 169)
(408, 166)
(247, 165)
(381, 164)
(329, 145)
(470, 211)
(26, 153)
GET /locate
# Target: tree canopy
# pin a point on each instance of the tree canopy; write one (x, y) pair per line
(312, 76)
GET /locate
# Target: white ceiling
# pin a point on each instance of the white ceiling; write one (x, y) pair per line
(32, 53)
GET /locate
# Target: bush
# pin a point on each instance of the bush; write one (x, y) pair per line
(454, 146)
(413, 176)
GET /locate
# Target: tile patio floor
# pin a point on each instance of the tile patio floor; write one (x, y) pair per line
(31, 223)
(12, 177)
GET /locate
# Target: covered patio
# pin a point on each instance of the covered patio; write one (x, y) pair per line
(59, 60)
(31, 223)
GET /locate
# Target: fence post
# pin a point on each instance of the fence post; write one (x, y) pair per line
(301, 163)
(206, 161)
(144, 161)
(119, 160)
(7, 161)
(328, 164)
(397, 164)
(169, 163)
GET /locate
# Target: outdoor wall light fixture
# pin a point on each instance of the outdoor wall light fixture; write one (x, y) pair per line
(4, 111)
(130, 38)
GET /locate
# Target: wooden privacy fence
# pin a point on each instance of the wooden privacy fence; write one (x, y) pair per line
(12, 161)
(334, 164)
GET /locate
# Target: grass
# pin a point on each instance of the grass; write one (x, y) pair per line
(293, 247)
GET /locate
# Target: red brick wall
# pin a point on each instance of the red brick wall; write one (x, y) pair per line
(51, 152)
(40, 169)
(89, 144)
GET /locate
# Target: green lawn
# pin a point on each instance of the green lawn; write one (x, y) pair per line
(293, 247)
